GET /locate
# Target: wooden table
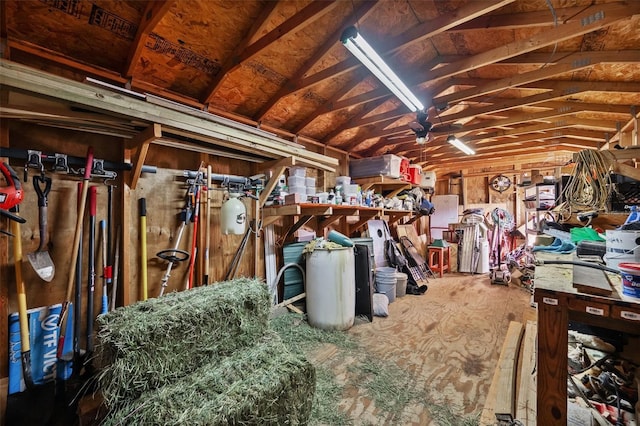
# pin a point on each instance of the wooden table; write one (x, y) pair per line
(558, 302)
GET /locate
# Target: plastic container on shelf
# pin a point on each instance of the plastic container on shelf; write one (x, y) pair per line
(428, 179)
(311, 190)
(384, 165)
(310, 181)
(415, 174)
(331, 288)
(297, 171)
(343, 180)
(296, 181)
(302, 190)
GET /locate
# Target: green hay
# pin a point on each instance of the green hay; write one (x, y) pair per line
(391, 388)
(326, 399)
(262, 384)
(155, 342)
(296, 332)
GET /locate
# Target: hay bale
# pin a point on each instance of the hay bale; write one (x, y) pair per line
(265, 384)
(148, 344)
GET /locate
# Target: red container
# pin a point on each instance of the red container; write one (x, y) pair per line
(404, 169)
(415, 174)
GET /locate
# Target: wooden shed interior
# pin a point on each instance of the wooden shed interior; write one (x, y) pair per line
(162, 93)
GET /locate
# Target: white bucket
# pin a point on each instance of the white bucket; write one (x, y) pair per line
(401, 284)
(386, 282)
(630, 279)
(331, 288)
(622, 247)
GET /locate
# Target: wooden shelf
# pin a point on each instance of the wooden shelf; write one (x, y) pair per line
(383, 183)
(328, 214)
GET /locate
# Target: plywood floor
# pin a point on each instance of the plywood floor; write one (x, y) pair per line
(448, 340)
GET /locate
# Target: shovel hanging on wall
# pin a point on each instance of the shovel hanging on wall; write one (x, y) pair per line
(40, 259)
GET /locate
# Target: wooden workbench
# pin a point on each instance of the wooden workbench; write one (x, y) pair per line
(558, 302)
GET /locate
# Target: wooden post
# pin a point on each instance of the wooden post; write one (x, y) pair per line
(129, 292)
(553, 320)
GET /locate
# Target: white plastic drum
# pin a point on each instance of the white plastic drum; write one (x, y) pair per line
(331, 288)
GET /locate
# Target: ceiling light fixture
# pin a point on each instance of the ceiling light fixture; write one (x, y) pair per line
(359, 47)
(460, 145)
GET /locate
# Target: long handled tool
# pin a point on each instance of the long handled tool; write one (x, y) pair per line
(194, 243)
(207, 225)
(91, 281)
(116, 270)
(77, 299)
(143, 247)
(25, 350)
(104, 307)
(175, 255)
(40, 260)
(75, 246)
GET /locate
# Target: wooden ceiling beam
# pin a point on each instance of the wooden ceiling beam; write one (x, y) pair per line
(510, 21)
(65, 61)
(591, 19)
(544, 155)
(360, 14)
(153, 14)
(413, 35)
(307, 16)
(418, 33)
(572, 63)
(593, 137)
(498, 134)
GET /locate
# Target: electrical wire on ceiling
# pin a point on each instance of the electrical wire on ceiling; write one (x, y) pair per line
(589, 185)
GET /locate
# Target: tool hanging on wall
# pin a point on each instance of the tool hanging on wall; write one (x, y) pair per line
(104, 306)
(91, 278)
(10, 195)
(40, 260)
(25, 350)
(207, 233)
(76, 247)
(196, 215)
(176, 255)
(143, 248)
(116, 270)
(77, 298)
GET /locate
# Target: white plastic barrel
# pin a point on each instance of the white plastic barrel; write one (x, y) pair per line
(331, 288)
(233, 216)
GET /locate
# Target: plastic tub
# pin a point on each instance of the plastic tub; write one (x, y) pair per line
(630, 279)
(297, 171)
(310, 181)
(386, 282)
(401, 284)
(296, 181)
(331, 288)
(343, 180)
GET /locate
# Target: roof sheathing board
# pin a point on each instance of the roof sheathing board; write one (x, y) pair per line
(79, 30)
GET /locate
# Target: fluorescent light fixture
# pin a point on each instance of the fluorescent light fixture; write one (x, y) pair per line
(357, 45)
(460, 145)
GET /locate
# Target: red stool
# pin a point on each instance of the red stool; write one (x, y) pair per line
(439, 259)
